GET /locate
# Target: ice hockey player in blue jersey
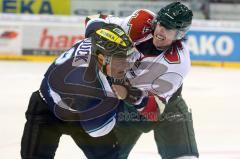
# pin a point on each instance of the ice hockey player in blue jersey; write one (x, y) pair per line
(75, 98)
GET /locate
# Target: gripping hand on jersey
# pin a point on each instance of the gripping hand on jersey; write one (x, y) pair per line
(124, 91)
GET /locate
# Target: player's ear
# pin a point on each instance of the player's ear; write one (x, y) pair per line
(100, 59)
(105, 68)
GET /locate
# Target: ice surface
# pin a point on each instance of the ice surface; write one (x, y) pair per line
(212, 93)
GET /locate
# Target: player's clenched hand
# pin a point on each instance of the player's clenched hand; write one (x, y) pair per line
(124, 91)
(134, 95)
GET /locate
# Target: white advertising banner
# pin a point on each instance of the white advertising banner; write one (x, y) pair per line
(39, 34)
(10, 39)
(50, 39)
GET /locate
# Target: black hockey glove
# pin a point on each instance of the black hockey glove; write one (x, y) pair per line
(124, 91)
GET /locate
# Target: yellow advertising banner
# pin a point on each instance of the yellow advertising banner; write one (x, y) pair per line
(60, 7)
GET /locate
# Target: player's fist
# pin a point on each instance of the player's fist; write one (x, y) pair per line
(133, 95)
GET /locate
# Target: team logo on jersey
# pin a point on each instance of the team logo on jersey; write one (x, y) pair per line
(82, 55)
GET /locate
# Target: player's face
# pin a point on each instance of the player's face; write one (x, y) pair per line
(118, 67)
(163, 37)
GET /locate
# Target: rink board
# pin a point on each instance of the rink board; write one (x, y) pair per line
(43, 58)
(42, 38)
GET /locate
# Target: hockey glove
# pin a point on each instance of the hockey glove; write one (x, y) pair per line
(124, 91)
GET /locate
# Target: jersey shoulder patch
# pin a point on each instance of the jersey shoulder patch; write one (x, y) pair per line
(140, 24)
(172, 54)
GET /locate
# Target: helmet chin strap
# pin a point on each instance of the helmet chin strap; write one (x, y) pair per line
(106, 62)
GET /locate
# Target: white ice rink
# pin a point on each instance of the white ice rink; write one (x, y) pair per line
(212, 93)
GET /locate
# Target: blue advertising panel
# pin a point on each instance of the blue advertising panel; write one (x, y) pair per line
(222, 46)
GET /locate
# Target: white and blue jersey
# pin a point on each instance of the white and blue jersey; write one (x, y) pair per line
(76, 90)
